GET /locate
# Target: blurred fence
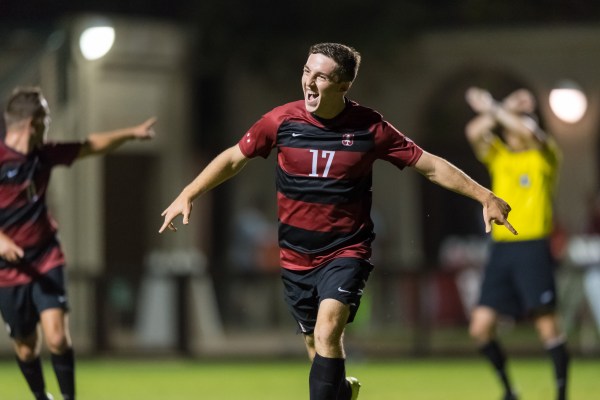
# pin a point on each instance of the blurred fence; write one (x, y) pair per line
(404, 313)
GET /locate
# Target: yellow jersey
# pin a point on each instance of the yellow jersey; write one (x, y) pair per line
(526, 180)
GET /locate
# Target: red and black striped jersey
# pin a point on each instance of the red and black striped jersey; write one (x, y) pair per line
(324, 178)
(24, 215)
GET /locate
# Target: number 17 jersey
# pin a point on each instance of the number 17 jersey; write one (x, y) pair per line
(324, 178)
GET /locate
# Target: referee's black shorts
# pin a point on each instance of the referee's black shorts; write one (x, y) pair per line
(519, 278)
(342, 279)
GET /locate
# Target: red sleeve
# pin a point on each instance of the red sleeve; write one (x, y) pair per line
(61, 153)
(261, 137)
(391, 145)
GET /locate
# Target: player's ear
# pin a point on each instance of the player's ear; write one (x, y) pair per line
(28, 122)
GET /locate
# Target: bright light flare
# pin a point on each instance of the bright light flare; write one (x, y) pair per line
(95, 42)
(568, 102)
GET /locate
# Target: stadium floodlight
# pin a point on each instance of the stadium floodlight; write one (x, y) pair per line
(96, 41)
(568, 102)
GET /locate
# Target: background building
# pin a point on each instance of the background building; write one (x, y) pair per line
(208, 71)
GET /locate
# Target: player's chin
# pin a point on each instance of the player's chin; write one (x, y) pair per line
(311, 103)
(311, 108)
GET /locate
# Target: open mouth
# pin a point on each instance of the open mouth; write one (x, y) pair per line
(312, 98)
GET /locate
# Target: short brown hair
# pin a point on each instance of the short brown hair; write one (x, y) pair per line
(24, 102)
(347, 58)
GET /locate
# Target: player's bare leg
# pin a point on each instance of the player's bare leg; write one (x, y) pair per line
(354, 384)
(325, 347)
(27, 350)
(329, 329)
(483, 330)
(555, 343)
(483, 325)
(54, 323)
(309, 341)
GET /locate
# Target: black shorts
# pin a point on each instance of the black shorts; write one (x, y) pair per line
(343, 279)
(519, 278)
(21, 305)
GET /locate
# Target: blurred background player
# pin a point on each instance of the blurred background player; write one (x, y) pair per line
(523, 163)
(591, 273)
(32, 277)
(326, 145)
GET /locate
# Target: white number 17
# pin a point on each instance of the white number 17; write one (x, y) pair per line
(328, 154)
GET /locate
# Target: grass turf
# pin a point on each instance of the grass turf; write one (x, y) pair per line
(419, 379)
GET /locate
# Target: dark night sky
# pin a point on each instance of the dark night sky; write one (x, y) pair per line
(353, 15)
(255, 27)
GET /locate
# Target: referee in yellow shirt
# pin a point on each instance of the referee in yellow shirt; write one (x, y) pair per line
(523, 163)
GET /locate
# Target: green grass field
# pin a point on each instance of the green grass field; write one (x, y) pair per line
(422, 379)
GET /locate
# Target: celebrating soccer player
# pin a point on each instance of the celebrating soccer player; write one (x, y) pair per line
(32, 276)
(326, 145)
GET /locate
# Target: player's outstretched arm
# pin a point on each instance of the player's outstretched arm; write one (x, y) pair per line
(445, 174)
(223, 167)
(104, 142)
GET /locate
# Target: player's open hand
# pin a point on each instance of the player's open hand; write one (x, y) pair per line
(145, 130)
(480, 100)
(496, 210)
(182, 205)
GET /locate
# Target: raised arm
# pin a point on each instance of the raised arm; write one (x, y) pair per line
(104, 142)
(223, 167)
(518, 106)
(479, 133)
(511, 113)
(445, 174)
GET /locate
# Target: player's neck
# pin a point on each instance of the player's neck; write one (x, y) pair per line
(332, 111)
(19, 140)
